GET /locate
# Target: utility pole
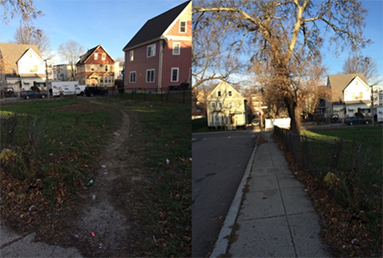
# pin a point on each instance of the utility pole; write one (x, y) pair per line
(372, 104)
(46, 77)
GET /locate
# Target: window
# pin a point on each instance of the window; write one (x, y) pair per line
(183, 26)
(101, 80)
(150, 75)
(92, 67)
(103, 56)
(219, 105)
(151, 50)
(106, 68)
(213, 105)
(176, 48)
(96, 56)
(219, 93)
(230, 104)
(230, 93)
(174, 75)
(131, 55)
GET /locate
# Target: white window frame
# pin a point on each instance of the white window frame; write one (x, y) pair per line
(135, 77)
(95, 56)
(131, 55)
(178, 74)
(151, 50)
(176, 48)
(213, 105)
(185, 26)
(103, 56)
(154, 75)
(230, 93)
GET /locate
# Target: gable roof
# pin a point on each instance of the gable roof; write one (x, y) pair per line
(339, 82)
(155, 27)
(11, 53)
(226, 85)
(85, 57)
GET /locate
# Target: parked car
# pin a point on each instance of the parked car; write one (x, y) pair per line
(94, 91)
(31, 94)
(354, 120)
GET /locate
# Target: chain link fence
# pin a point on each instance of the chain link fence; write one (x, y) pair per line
(348, 163)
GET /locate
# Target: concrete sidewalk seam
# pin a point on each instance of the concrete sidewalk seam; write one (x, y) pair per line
(278, 216)
(222, 242)
(13, 241)
(286, 216)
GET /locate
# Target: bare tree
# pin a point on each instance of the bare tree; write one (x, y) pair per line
(71, 51)
(278, 30)
(362, 64)
(25, 8)
(208, 60)
(29, 35)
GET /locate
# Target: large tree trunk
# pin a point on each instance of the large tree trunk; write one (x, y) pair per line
(295, 115)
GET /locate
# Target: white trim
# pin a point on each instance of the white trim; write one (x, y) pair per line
(174, 48)
(153, 52)
(178, 74)
(154, 75)
(130, 76)
(186, 26)
(131, 55)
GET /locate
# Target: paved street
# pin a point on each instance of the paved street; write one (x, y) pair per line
(219, 162)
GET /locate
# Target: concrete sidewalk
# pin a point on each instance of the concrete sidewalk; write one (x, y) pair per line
(14, 245)
(276, 218)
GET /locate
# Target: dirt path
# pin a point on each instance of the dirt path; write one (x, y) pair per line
(103, 228)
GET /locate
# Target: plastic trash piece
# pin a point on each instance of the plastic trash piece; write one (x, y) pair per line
(90, 183)
(92, 234)
(94, 197)
(30, 208)
(103, 166)
(116, 134)
(167, 161)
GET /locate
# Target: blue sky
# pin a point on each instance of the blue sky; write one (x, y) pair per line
(111, 23)
(373, 31)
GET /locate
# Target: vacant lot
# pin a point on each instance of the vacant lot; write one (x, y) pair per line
(53, 149)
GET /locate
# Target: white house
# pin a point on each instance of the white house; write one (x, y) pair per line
(225, 107)
(21, 67)
(350, 94)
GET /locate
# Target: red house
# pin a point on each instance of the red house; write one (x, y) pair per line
(96, 68)
(159, 56)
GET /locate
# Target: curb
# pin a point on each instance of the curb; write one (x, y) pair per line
(222, 242)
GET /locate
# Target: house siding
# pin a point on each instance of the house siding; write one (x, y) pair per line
(140, 64)
(164, 60)
(103, 69)
(221, 108)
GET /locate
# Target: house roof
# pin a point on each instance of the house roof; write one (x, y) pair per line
(85, 57)
(339, 82)
(155, 27)
(225, 85)
(11, 53)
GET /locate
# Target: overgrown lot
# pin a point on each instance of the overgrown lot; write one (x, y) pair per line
(54, 150)
(342, 170)
(48, 150)
(160, 149)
